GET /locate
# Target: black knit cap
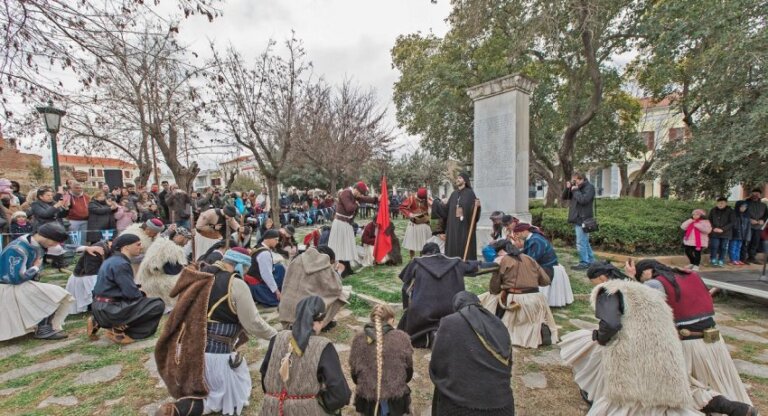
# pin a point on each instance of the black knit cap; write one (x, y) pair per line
(124, 240)
(271, 233)
(230, 211)
(53, 231)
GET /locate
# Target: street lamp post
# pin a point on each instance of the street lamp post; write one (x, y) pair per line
(52, 117)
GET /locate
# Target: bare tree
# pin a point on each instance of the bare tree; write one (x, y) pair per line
(342, 129)
(142, 96)
(39, 35)
(259, 107)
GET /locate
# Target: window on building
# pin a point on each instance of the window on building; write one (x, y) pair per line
(676, 133)
(216, 182)
(100, 173)
(649, 139)
(126, 174)
(92, 172)
(94, 184)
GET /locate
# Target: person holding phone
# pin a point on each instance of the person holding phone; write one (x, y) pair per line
(45, 210)
(581, 196)
(77, 201)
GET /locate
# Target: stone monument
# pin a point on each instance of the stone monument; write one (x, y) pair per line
(501, 148)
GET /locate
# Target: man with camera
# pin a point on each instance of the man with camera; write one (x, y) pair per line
(581, 195)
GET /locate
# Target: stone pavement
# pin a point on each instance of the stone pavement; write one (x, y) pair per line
(538, 373)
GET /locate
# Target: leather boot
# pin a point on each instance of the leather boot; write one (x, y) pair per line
(183, 407)
(117, 335)
(720, 404)
(93, 328)
(45, 330)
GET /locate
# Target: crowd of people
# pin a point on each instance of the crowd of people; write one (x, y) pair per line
(206, 261)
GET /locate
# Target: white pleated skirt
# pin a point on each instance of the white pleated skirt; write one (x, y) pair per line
(603, 407)
(712, 366)
(559, 292)
(81, 288)
(416, 235)
(229, 389)
(23, 306)
(202, 244)
(342, 241)
(524, 324)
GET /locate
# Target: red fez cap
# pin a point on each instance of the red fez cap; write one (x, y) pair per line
(422, 193)
(360, 186)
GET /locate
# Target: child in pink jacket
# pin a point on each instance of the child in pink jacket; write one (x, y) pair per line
(696, 238)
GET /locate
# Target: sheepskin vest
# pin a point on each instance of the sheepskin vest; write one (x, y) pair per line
(146, 241)
(151, 276)
(299, 396)
(644, 363)
(397, 360)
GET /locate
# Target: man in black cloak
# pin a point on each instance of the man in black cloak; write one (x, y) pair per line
(429, 284)
(471, 364)
(458, 221)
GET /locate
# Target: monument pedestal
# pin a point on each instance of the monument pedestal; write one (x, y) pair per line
(501, 149)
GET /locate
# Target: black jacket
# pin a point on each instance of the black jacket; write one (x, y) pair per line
(723, 219)
(581, 202)
(757, 211)
(43, 213)
(100, 217)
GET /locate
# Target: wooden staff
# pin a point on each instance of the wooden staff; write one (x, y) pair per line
(193, 230)
(471, 229)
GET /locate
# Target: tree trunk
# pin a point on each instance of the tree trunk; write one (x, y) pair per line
(554, 193)
(333, 181)
(274, 199)
(624, 180)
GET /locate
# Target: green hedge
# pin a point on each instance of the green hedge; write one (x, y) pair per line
(627, 225)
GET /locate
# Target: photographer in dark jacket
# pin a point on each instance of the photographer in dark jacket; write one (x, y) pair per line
(44, 210)
(581, 195)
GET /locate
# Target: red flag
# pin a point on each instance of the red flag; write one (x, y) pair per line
(383, 244)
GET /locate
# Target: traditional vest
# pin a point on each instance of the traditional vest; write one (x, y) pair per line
(644, 363)
(299, 395)
(695, 302)
(253, 276)
(222, 323)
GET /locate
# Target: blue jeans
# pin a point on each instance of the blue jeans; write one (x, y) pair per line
(735, 250)
(718, 247)
(586, 256)
(261, 292)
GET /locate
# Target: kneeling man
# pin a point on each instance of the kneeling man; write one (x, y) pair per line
(27, 305)
(314, 272)
(118, 304)
(514, 297)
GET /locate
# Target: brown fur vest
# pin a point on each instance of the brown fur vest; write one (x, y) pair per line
(180, 350)
(398, 358)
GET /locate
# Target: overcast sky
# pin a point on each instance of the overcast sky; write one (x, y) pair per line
(342, 38)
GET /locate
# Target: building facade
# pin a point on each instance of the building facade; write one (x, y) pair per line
(94, 171)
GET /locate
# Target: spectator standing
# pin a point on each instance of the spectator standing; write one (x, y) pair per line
(742, 232)
(101, 216)
(44, 210)
(78, 211)
(178, 207)
(697, 229)
(758, 214)
(581, 195)
(16, 188)
(722, 217)
(161, 199)
(124, 217)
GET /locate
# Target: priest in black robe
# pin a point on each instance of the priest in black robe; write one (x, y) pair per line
(458, 221)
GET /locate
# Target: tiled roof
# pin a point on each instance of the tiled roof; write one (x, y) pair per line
(95, 161)
(648, 102)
